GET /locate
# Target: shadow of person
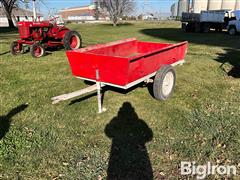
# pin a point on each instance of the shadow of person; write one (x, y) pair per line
(129, 156)
(5, 121)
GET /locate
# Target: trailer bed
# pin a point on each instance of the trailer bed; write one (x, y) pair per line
(123, 62)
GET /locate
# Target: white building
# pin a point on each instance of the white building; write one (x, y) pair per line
(18, 14)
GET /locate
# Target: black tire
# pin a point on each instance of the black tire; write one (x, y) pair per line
(184, 27)
(190, 27)
(206, 28)
(232, 31)
(160, 83)
(37, 50)
(218, 28)
(14, 48)
(197, 28)
(187, 28)
(68, 38)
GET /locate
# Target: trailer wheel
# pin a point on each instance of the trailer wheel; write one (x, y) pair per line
(16, 48)
(72, 40)
(164, 83)
(232, 31)
(37, 50)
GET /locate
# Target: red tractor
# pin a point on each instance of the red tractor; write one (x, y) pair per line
(40, 35)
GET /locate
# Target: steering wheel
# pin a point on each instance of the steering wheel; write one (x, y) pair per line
(53, 19)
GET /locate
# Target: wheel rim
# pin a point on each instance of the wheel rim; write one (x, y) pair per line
(38, 52)
(17, 49)
(74, 42)
(168, 83)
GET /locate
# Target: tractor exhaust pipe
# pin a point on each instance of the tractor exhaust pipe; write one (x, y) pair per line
(34, 11)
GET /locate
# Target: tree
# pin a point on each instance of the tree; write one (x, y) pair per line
(117, 8)
(8, 6)
(97, 12)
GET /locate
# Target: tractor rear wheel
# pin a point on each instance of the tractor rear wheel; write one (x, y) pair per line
(16, 48)
(37, 50)
(72, 40)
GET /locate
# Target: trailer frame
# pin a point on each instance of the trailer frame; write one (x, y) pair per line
(99, 85)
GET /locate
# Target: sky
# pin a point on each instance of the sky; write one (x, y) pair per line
(153, 6)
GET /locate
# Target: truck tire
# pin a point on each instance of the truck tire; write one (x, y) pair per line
(197, 27)
(190, 27)
(72, 40)
(37, 50)
(218, 28)
(232, 31)
(184, 25)
(164, 83)
(16, 48)
(205, 28)
(187, 28)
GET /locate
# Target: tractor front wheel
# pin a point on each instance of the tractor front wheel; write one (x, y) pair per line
(37, 50)
(72, 40)
(16, 48)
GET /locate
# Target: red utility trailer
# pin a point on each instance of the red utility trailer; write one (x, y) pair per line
(124, 64)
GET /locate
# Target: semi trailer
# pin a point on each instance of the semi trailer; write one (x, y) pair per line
(207, 20)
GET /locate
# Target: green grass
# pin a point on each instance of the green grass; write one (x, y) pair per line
(200, 122)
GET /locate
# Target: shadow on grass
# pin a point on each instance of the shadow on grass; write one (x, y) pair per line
(150, 89)
(177, 34)
(119, 25)
(125, 91)
(82, 99)
(129, 156)
(5, 121)
(107, 88)
(55, 48)
(8, 30)
(4, 53)
(231, 56)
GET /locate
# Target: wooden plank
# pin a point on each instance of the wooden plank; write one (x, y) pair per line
(71, 95)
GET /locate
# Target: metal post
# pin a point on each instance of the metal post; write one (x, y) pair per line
(34, 11)
(99, 96)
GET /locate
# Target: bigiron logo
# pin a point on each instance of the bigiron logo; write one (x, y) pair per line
(202, 171)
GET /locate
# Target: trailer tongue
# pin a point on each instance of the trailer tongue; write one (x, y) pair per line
(124, 64)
